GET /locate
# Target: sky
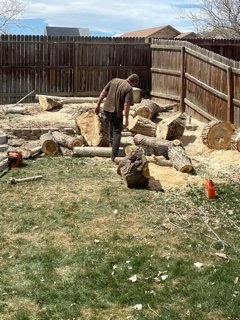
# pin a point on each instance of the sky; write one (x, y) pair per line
(103, 18)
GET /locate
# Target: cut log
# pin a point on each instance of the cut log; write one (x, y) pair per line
(143, 126)
(178, 157)
(94, 129)
(171, 128)
(66, 100)
(95, 152)
(4, 164)
(159, 160)
(158, 147)
(28, 153)
(148, 108)
(17, 110)
(49, 144)
(134, 169)
(48, 103)
(67, 141)
(218, 135)
(66, 152)
(235, 141)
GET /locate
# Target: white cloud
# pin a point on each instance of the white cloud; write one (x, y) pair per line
(108, 16)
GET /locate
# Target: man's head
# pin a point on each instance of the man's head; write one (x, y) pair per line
(133, 79)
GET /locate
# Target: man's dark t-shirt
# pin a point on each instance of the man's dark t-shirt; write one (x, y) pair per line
(118, 91)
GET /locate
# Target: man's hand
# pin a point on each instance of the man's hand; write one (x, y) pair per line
(97, 110)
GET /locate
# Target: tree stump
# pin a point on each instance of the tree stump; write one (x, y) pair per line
(67, 141)
(143, 126)
(94, 129)
(134, 169)
(49, 144)
(235, 141)
(158, 147)
(218, 135)
(171, 128)
(178, 157)
(148, 109)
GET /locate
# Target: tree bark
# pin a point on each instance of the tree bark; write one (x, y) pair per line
(171, 128)
(235, 141)
(28, 153)
(143, 126)
(67, 141)
(49, 144)
(218, 135)
(148, 108)
(94, 129)
(178, 157)
(95, 152)
(134, 169)
(156, 146)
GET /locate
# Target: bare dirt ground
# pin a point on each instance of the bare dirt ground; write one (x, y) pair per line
(220, 164)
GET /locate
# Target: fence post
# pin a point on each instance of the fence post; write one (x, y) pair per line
(75, 68)
(183, 81)
(230, 116)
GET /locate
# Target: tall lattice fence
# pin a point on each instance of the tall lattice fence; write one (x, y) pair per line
(68, 66)
(206, 84)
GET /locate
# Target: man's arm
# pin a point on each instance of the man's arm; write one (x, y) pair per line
(102, 95)
(126, 113)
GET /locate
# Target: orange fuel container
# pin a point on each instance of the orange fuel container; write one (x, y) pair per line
(210, 189)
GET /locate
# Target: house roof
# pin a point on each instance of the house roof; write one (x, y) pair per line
(147, 32)
(66, 31)
(185, 35)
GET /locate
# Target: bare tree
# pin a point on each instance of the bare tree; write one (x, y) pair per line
(215, 18)
(10, 10)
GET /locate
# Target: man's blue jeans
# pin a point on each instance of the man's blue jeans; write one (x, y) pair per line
(115, 130)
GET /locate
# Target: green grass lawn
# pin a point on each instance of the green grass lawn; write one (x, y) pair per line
(70, 242)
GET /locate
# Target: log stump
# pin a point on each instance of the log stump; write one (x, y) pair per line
(235, 141)
(143, 126)
(178, 157)
(49, 144)
(171, 128)
(218, 135)
(67, 141)
(94, 129)
(134, 169)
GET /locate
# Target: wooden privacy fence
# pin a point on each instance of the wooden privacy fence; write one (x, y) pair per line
(205, 84)
(68, 66)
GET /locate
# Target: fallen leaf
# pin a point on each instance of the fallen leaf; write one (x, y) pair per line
(138, 306)
(133, 278)
(221, 255)
(198, 265)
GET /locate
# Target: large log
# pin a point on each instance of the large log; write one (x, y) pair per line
(148, 108)
(30, 152)
(218, 135)
(95, 152)
(49, 144)
(171, 128)
(50, 102)
(178, 157)
(156, 146)
(143, 126)
(159, 160)
(235, 141)
(94, 129)
(134, 169)
(67, 141)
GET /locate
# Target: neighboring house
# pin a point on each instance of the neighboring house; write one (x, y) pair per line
(186, 35)
(163, 32)
(65, 31)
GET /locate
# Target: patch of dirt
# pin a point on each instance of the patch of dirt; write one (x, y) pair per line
(220, 164)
